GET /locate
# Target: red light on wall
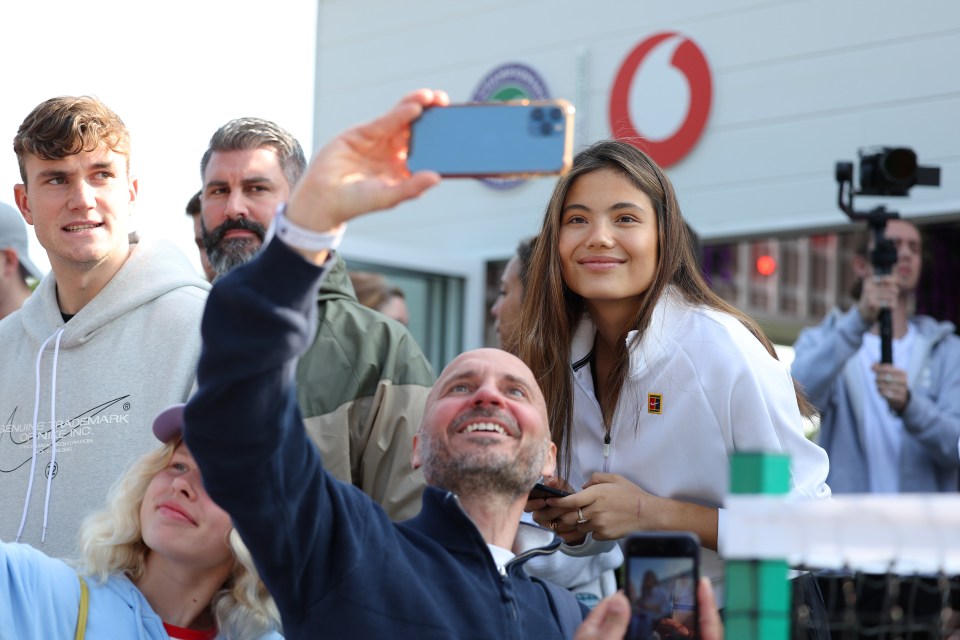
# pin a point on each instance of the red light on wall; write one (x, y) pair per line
(766, 265)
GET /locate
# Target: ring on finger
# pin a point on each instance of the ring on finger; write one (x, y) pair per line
(553, 524)
(887, 378)
(580, 518)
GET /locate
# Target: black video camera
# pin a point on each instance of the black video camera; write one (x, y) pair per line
(888, 171)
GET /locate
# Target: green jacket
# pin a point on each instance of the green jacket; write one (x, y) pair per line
(362, 386)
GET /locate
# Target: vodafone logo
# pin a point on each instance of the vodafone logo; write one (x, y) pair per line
(661, 97)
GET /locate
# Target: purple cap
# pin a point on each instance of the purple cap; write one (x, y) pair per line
(169, 424)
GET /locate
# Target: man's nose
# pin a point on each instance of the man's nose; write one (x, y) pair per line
(82, 196)
(236, 206)
(487, 394)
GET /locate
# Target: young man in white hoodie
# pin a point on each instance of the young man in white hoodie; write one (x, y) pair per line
(109, 338)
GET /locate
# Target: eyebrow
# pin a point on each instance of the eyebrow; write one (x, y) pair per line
(472, 373)
(51, 173)
(59, 173)
(517, 380)
(245, 182)
(615, 207)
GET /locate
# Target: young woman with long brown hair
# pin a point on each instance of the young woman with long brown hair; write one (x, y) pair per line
(652, 381)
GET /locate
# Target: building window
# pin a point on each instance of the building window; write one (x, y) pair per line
(436, 306)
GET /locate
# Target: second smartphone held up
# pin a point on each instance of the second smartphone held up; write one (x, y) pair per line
(494, 139)
(662, 574)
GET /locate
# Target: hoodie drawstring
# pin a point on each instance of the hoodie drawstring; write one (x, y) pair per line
(36, 413)
(53, 428)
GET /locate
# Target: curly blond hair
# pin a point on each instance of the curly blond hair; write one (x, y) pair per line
(111, 542)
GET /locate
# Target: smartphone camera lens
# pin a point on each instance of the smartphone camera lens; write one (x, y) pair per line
(556, 114)
(546, 128)
(537, 114)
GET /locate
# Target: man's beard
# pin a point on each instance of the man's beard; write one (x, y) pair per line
(483, 473)
(225, 254)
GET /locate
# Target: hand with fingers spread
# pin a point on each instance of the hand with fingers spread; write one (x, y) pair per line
(363, 169)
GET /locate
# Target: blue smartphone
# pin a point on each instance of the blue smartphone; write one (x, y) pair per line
(662, 574)
(514, 139)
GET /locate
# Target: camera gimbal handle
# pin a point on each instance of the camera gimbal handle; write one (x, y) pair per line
(884, 253)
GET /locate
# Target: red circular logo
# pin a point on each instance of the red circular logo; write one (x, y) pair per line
(689, 61)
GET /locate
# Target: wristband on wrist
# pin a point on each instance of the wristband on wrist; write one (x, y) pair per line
(295, 236)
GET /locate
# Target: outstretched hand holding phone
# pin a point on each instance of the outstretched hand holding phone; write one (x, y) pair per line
(361, 170)
(366, 169)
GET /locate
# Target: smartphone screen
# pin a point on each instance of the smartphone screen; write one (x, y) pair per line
(662, 574)
(493, 139)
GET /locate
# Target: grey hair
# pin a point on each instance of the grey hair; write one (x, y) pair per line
(245, 134)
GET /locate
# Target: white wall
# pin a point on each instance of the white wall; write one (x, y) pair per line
(797, 86)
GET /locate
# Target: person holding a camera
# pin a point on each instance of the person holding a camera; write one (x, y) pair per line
(887, 427)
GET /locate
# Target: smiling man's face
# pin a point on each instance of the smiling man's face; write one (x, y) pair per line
(485, 427)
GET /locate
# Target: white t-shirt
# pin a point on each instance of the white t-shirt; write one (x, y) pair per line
(501, 557)
(882, 428)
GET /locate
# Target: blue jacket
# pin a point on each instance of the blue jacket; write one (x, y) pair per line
(333, 561)
(40, 598)
(826, 366)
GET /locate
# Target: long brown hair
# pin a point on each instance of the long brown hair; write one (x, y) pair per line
(551, 311)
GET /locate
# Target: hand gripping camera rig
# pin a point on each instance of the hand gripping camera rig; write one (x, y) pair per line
(885, 172)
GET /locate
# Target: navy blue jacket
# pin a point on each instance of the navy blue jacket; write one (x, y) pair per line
(334, 562)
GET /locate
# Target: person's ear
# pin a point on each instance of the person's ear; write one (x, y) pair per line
(20, 197)
(550, 464)
(415, 456)
(134, 190)
(9, 262)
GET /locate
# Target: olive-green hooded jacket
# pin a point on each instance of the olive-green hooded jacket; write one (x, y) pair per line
(362, 386)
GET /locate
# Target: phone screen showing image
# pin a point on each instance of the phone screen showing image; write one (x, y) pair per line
(662, 591)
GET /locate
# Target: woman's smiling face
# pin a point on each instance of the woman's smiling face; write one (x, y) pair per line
(608, 238)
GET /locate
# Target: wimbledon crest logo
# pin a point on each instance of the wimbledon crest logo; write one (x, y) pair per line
(661, 97)
(512, 81)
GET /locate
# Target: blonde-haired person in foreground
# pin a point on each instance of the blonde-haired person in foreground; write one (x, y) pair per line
(160, 560)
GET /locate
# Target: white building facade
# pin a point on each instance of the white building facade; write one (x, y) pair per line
(749, 104)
